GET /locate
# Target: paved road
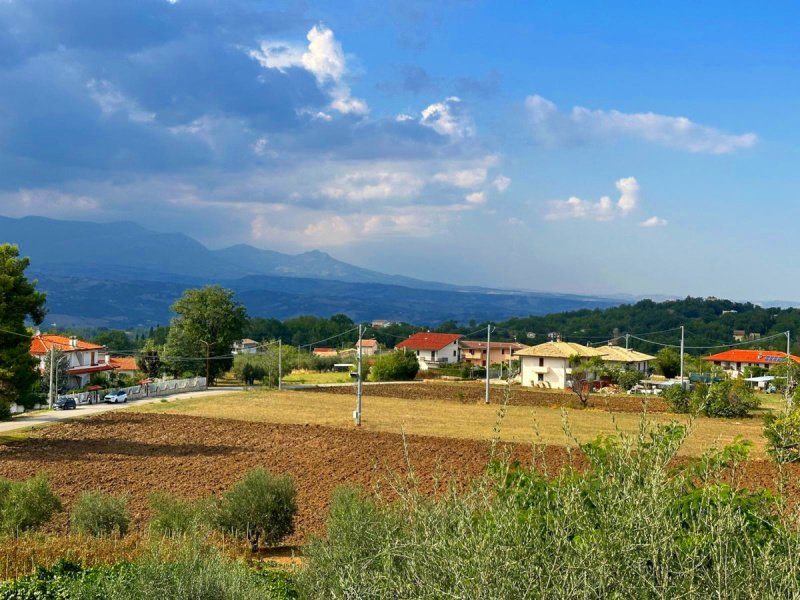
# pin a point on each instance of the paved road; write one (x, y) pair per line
(86, 410)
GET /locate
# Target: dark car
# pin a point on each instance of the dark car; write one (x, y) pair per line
(66, 403)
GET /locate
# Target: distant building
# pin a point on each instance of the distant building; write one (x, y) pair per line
(85, 358)
(432, 349)
(325, 352)
(735, 361)
(124, 365)
(245, 346)
(625, 358)
(474, 352)
(368, 347)
(547, 365)
(379, 323)
(739, 334)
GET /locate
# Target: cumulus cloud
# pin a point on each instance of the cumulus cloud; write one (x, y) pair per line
(371, 185)
(323, 57)
(603, 210)
(476, 197)
(654, 222)
(552, 126)
(501, 183)
(448, 118)
(111, 100)
(462, 178)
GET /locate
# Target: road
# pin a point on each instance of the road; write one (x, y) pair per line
(87, 410)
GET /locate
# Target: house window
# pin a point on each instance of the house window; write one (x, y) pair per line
(417, 352)
(454, 353)
(540, 377)
(541, 362)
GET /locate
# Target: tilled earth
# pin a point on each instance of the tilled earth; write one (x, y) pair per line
(471, 393)
(135, 454)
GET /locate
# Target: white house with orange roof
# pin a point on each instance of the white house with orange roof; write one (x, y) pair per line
(433, 349)
(735, 361)
(85, 358)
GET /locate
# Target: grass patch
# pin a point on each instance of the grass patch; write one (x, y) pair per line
(317, 378)
(448, 419)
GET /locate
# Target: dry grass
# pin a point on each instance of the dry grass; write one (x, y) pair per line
(451, 419)
(315, 378)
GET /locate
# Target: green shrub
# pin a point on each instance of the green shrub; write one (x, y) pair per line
(5, 410)
(395, 366)
(99, 514)
(259, 507)
(678, 398)
(26, 505)
(783, 436)
(728, 398)
(627, 378)
(175, 516)
(629, 525)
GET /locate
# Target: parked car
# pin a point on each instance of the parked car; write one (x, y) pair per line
(116, 397)
(65, 403)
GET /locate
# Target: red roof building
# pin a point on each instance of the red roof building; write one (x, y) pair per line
(433, 349)
(85, 358)
(124, 364)
(474, 352)
(736, 360)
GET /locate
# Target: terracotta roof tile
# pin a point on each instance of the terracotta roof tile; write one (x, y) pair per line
(429, 341)
(41, 344)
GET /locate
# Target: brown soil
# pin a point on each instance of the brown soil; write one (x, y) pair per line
(136, 454)
(471, 393)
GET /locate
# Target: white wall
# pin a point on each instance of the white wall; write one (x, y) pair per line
(447, 355)
(553, 371)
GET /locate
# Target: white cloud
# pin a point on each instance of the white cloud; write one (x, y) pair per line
(516, 222)
(111, 100)
(654, 222)
(462, 178)
(476, 197)
(448, 118)
(323, 57)
(501, 183)
(46, 202)
(402, 118)
(551, 126)
(369, 185)
(602, 210)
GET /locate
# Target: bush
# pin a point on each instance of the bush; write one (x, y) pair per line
(783, 436)
(175, 516)
(5, 410)
(678, 398)
(26, 505)
(632, 525)
(728, 398)
(627, 378)
(99, 514)
(395, 366)
(259, 507)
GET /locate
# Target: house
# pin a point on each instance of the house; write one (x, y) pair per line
(499, 352)
(626, 359)
(368, 347)
(85, 358)
(379, 323)
(739, 335)
(547, 365)
(124, 365)
(325, 352)
(735, 361)
(432, 349)
(245, 346)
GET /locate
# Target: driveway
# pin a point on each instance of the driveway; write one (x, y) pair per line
(87, 410)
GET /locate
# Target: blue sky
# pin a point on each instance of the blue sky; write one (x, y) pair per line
(614, 147)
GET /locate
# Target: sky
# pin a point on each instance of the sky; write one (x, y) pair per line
(585, 147)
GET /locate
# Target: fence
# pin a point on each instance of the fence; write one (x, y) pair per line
(146, 390)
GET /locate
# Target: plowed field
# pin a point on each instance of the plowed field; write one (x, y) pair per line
(472, 393)
(136, 454)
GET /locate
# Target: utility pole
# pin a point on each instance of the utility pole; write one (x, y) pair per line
(627, 340)
(208, 352)
(682, 340)
(280, 370)
(357, 414)
(789, 370)
(488, 358)
(50, 398)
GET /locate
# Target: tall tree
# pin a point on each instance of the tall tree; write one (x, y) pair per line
(149, 360)
(201, 337)
(19, 301)
(60, 362)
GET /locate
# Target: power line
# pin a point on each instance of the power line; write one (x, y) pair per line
(735, 344)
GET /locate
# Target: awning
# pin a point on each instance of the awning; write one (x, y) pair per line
(762, 379)
(94, 388)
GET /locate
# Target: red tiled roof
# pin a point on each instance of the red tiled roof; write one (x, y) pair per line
(93, 369)
(123, 363)
(764, 357)
(41, 344)
(369, 343)
(429, 341)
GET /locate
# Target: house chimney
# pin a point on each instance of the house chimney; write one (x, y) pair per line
(73, 342)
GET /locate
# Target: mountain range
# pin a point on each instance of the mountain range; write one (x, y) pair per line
(125, 275)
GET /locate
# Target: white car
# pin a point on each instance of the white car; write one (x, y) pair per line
(117, 397)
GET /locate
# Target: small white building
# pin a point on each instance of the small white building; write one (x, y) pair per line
(547, 365)
(245, 346)
(433, 349)
(626, 359)
(84, 358)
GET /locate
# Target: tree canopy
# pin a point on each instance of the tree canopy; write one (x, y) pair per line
(19, 301)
